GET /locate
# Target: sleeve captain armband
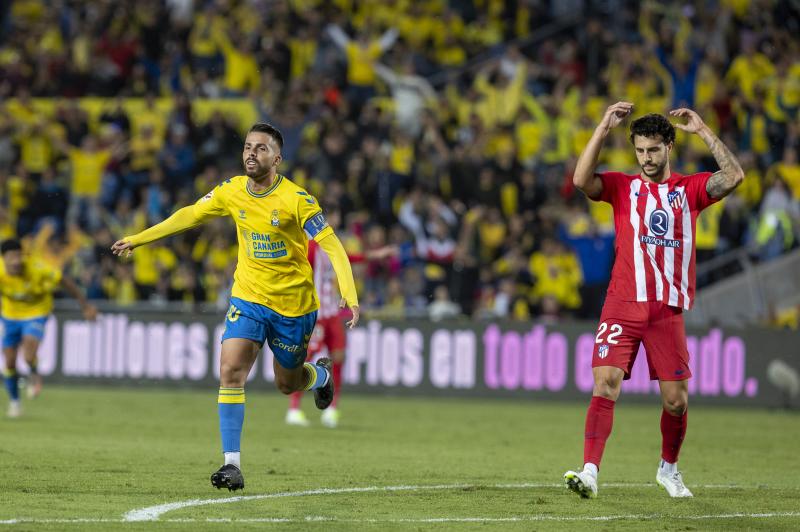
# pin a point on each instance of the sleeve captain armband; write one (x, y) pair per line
(315, 224)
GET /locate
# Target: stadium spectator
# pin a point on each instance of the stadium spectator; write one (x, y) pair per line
(362, 55)
(442, 307)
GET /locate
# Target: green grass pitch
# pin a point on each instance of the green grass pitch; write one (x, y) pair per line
(82, 458)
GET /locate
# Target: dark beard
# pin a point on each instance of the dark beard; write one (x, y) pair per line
(256, 173)
(659, 169)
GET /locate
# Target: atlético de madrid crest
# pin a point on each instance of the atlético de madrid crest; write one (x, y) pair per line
(675, 199)
(602, 351)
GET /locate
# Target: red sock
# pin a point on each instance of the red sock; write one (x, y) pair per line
(294, 400)
(599, 420)
(673, 430)
(337, 382)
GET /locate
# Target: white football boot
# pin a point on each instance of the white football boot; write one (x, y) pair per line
(330, 417)
(296, 417)
(583, 483)
(14, 409)
(673, 483)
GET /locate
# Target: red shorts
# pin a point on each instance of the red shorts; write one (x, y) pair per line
(626, 324)
(330, 333)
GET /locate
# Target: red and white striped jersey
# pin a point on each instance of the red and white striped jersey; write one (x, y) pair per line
(324, 281)
(655, 228)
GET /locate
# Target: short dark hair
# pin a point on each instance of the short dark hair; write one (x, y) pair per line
(12, 244)
(653, 125)
(269, 129)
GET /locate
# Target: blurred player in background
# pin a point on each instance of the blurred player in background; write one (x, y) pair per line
(273, 298)
(316, 346)
(328, 334)
(653, 279)
(26, 300)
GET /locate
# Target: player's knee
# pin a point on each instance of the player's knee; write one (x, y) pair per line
(231, 375)
(676, 405)
(607, 386)
(606, 391)
(338, 356)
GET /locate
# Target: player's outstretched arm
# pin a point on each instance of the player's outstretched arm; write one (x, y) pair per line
(730, 173)
(181, 220)
(584, 177)
(333, 247)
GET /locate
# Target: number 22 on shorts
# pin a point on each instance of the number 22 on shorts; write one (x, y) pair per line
(615, 330)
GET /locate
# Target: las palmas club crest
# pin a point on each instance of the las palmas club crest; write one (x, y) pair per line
(675, 199)
(275, 220)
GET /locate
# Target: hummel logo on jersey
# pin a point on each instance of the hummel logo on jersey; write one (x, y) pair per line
(675, 199)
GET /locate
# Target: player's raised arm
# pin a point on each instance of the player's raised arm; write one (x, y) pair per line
(584, 177)
(730, 173)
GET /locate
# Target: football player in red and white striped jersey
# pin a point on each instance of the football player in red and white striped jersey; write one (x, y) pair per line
(653, 278)
(328, 333)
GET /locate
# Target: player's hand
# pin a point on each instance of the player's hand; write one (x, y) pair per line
(615, 114)
(355, 310)
(693, 121)
(122, 247)
(89, 312)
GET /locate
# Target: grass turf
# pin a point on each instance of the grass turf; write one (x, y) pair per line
(97, 453)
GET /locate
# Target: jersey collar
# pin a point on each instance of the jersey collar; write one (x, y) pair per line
(278, 180)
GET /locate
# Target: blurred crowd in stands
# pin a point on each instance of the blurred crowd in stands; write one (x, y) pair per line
(443, 133)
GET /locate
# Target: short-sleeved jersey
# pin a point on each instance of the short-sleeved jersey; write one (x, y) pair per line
(655, 243)
(324, 281)
(29, 295)
(272, 266)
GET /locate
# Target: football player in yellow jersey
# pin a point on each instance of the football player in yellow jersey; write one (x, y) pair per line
(273, 299)
(26, 300)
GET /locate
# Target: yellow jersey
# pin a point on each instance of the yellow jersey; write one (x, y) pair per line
(87, 171)
(272, 268)
(30, 295)
(361, 63)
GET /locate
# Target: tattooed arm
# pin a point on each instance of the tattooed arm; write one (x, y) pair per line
(730, 173)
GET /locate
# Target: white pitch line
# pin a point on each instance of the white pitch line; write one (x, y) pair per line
(523, 518)
(153, 513)
(75, 520)
(516, 519)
